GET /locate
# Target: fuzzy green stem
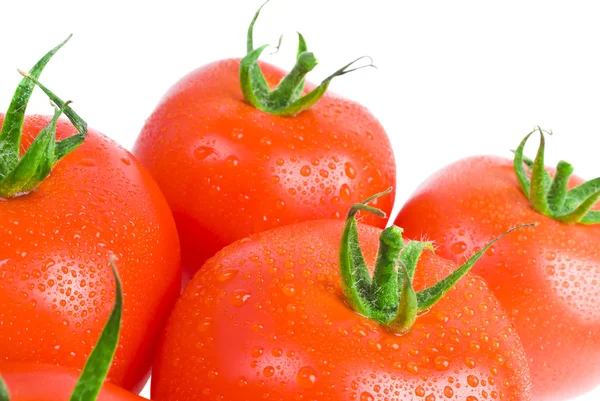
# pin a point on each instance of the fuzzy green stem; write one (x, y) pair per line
(550, 196)
(19, 175)
(408, 306)
(389, 297)
(286, 99)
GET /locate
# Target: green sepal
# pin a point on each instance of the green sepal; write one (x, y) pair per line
(98, 363)
(35, 165)
(550, 196)
(408, 306)
(411, 254)
(389, 297)
(19, 175)
(10, 136)
(4, 395)
(286, 99)
(429, 296)
(356, 280)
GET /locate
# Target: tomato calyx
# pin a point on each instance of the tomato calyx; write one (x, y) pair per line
(96, 368)
(550, 196)
(20, 175)
(286, 98)
(388, 297)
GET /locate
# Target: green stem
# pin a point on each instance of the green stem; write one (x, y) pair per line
(384, 287)
(19, 175)
(408, 306)
(389, 297)
(286, 99)
(550, 196)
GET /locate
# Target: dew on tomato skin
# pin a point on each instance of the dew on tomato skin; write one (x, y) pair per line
(458, 247)
(306, 377)
(257, 352)
(345, 193)
(441, 363)
(227, 274)
(232, 161)
(239, 297)
(289, 290)
(350, 170)
(202, 152)
(305, 171)
(88, 162)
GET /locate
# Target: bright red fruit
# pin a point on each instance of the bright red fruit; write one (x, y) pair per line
(40, 382)
(546, 277)
(266, 318)
(55, 288)
(229, 169)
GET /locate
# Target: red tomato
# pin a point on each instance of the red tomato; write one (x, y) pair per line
(56, 290)
(546, 277)
(229, 170)
(265, 318)
(40, 382)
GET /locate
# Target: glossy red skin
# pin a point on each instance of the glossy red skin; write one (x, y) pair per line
(56, 288)
(40, 382)
(546, 277)
(229, 170)
(265, 308)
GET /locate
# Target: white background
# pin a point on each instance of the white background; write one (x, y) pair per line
(454, 78)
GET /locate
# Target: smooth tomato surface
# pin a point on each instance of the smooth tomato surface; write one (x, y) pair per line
(229, 170)
(41, 382)
(547, 277)
(265, 318)
(56, 288)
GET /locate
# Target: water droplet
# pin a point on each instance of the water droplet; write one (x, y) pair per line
(365, 396)
(350, 170)
(324, 173)
(204, 324)
(202, 152)
(237, 133)
(470, 362)
(227, 275)
(232, 161)
(88, 162)
(458, 247)
(126, 161)
(441, 363)
(265, 140)
(345, 192)
(448, 392)
(268, 371)
(473, 381)
(420, 392)
(257, 352)
(305, 171)
(288, 290)
(239, 298)
(306, 377)
(279, 204)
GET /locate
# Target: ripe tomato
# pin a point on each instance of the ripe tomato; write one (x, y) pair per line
(229, 169)
(266, 318)
(546, 277)
(41, 382)
(55, 289)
